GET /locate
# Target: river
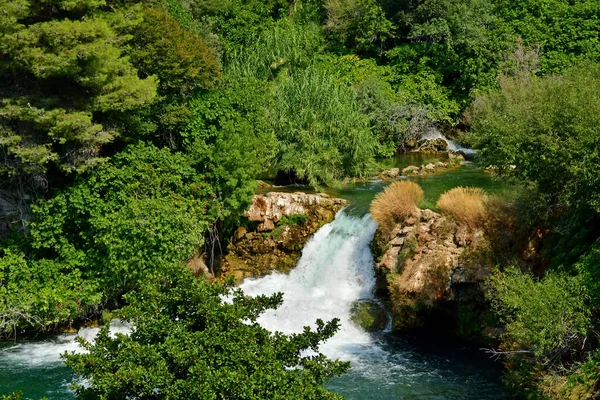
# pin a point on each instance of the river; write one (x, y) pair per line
(336, 269)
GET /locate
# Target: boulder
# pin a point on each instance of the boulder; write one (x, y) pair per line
(390, 173)
(432, 145)
(410, 170)
(369, 315)
(429, 168)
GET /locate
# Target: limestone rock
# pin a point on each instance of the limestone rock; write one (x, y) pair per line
(424, 257)
(269, 242)
(411, 170)
(432, 145)
(429, 167)
(390, 173)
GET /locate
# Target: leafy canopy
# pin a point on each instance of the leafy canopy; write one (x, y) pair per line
(188, 342)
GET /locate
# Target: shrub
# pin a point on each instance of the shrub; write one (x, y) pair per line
(546, 320)
(397, 202)
(323, 136)
(466, 205)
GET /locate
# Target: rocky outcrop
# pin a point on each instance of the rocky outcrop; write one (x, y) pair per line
(435, 145)
(276, 229)
(454, 160)
(430, 263)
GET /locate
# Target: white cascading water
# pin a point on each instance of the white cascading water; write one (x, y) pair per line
(335, 270)
(39, 354)
(435, 134)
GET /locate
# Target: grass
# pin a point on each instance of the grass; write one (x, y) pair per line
(465, 204)
(397, 202)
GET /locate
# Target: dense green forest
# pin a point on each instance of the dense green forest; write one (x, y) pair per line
(132, 134)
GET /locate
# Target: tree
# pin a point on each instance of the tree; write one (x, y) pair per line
(126, 220)
(229, 140)
(463, 41)
(545, 131)
(238, 22)
(64, 75)
(188, 342)
(66, 86)
(184, 64)
(358, 24)
(565, 31)
(547, 323)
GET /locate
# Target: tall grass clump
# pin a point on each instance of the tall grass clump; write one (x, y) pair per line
(322, 134)
(465, 204)
(396, 202)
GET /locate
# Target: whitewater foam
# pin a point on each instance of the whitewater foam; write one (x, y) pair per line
(335, 270)
(37, 354)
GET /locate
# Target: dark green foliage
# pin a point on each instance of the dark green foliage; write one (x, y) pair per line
(545, 131)
(461, 42)
(63, 76)
(116, 227)
(128, 218)
(547, 324)
(183, 63)
(230, 142)
(565, 31)
(42, 294)
(550, 317)
(358, 24)
(238, 22)
(190, 343)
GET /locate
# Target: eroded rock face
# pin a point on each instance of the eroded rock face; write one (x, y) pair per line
(279, 224)
(428, 263)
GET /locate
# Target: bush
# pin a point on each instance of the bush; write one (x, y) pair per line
(466, 205)
(397, 202)
(542, 316)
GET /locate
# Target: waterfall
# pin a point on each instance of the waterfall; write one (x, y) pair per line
(335, 270)
(435, 134)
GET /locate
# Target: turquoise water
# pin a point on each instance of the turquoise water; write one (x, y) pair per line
(360, 195)
(423, 369)
(35, 368)
(389, 367)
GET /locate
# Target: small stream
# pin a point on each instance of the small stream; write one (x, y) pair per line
(336, 269)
